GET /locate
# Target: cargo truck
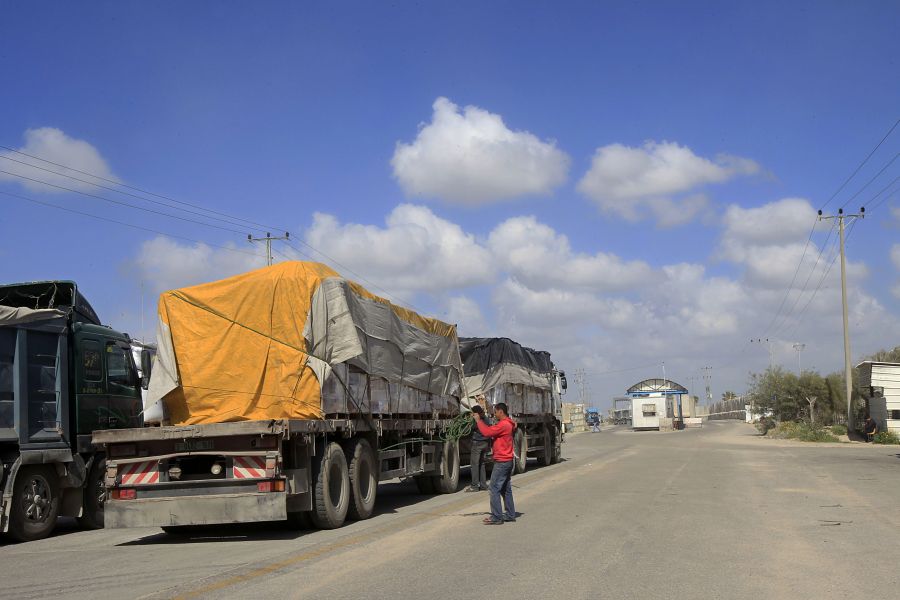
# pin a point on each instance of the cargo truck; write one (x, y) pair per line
(63, 375)
(286, 393)
(526, 380)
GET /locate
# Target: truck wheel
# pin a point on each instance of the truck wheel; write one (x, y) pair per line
(363, 479)
(35, 504)
(425, 484)
(547, 452)
(448, 481)
(556, 448)
(94, 497)
(331, 488)
(521, 442)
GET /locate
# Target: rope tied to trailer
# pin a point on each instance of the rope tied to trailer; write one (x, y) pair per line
(460, 426)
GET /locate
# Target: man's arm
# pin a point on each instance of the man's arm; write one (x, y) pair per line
(489, 430)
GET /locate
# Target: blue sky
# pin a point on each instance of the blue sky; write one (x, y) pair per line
(279, 111)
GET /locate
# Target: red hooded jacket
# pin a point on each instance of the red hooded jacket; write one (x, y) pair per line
(502, 433)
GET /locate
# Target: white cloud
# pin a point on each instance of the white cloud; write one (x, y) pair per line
(635, 183)
(769, 242)
(54, 145)
(538, 256)
(415, 251)
(786, 220)
(164, 264)
(466, 313)
(593, 310)
(471, 157)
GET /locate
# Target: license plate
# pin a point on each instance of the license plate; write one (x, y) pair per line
(194, 445)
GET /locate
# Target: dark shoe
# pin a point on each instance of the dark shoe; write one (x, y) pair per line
(509, 519)
(490, 521)
(472, 488)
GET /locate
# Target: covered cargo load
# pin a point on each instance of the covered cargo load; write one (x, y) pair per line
(505, 371)
(296, 340)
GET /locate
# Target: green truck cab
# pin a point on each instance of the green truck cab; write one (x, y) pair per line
(62, 376)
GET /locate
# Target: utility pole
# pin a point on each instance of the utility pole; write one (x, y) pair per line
(268, 240)
(799, 348)
(769, 347)
(848, 373)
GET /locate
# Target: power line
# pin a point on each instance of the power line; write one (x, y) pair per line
(827, 202)
(117, 222)
(874, 177)
(808, 277)
(888, 196)
(137, 189)
(112, 189)
(126, 204)
(865, 160)
(259, 226)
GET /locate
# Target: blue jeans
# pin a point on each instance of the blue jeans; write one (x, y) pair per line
(501, 485)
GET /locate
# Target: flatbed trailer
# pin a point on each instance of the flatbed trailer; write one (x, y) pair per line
(318, 471)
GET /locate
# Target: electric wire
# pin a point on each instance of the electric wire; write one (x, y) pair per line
(813, 228)
(803, 289)
(258, 227)
(882, 201)
(112, 189)
(861, 165)
(125, 204)
(125, 224)
(137, 189)
(825, 273)
(868, 183)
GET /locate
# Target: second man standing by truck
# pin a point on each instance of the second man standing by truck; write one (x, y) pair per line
(501, 475)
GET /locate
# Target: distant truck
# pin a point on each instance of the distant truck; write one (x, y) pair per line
(63, 375)
(502, 370)
(286, 393)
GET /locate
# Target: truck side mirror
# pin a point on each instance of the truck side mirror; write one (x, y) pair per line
(146, 366)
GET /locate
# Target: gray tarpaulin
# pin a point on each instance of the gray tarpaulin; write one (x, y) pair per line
(11, 315)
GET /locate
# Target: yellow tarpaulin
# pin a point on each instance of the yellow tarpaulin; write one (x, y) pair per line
(239, 347)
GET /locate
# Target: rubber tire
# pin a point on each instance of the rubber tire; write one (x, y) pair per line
(94, 497)
(557, 446)
(363, 470)
(330, 512)
(448, 481)
(546, 457)
(425, 484)
(20, 529)
(521, 444)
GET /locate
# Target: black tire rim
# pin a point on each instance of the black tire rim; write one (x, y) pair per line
(37, 499)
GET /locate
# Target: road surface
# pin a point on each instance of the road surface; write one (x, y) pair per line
(706, 513)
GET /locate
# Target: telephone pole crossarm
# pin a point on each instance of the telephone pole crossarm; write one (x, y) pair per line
(268, 240)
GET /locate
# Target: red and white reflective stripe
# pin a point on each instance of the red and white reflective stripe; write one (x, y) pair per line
(249, 467)
(139, 473)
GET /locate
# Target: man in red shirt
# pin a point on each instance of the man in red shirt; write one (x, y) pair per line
(501, 476)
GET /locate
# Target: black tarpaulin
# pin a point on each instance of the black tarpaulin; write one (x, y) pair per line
(480, 354)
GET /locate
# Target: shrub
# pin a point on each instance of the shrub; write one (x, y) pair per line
(765, 424)
(839, 429)
(886, 437)
(804, 432)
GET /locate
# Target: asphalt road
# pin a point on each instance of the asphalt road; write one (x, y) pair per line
(707, 513)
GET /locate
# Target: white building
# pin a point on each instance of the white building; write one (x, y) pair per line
(880, 381)
(647, 410)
